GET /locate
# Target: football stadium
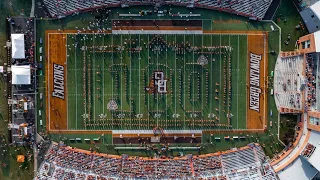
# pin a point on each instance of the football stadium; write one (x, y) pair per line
(162, 89)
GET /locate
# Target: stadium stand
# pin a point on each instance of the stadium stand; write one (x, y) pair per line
(253, 9)
(311, 72)
(63, 162)
(288, 80)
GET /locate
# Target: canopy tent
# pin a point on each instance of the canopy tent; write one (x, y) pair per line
(21, 74)
(18, 51)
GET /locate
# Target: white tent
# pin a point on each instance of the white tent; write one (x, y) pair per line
(17, 46)
(21, 74)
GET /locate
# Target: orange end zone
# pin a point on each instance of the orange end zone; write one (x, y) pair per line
(56, 91)
(256, 82)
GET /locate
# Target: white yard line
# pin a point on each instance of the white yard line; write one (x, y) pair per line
(75, 75)
(212, 83)
(221, 73)
(184, 82)
(238, 84)
(48, 106)
(121, 82)
(157, 93)
(146, 80)
(130, 80)
(247, 82)
(175, 84)
(166, 123)
(227, 73)
(139, 81)
(203, 89)
(85, 98)
(103, 103)
(265, 76)
(93, 67)
(66, 86)
(112, 78)
(218, 33)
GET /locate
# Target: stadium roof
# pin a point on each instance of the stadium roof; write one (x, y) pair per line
(316, 8)
(21, 74)
(17, 46)
(317, 40)
(315, 157)
(307, 3)
(299, 169)
(311, 17)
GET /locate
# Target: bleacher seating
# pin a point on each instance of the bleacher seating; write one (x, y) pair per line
(204, 164)
(63, 162)
(287, 82)
(311, 75)
(253, 9)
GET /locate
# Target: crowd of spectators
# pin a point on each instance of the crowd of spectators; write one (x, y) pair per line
(203, 164)
(311, 71)
(24, 26)
(253, 9)
(64, 162)
(22, 92)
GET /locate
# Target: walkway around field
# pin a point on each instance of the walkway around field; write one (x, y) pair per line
(289, 156)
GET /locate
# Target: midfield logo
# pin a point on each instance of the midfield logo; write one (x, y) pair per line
(158, 84)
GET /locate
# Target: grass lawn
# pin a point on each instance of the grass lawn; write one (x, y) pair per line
(10, 8)
(287, 128)
(289, 18)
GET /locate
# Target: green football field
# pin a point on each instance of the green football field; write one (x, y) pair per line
(111, 85)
